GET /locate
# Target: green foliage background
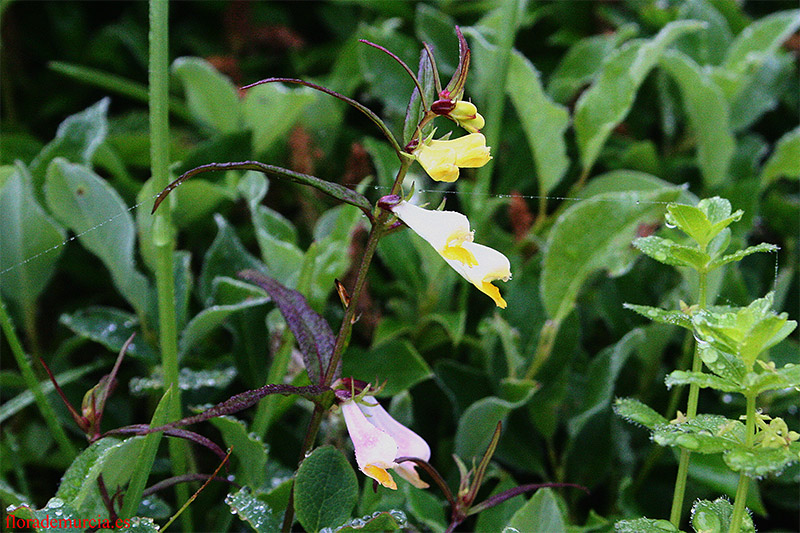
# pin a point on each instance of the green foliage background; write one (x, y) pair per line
(604, 112)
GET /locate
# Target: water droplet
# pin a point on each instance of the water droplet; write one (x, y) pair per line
(55, 503)
(727, 398)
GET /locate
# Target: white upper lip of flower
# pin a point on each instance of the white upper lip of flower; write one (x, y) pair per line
(379, 439)
(450, 234)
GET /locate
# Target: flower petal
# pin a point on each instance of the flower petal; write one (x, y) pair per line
(491, 265)
(375, 449)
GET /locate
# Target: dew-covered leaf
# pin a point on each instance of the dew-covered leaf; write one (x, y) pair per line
(247, 447)
(741, 254)
(702, 434)
(638, 413)
(662, 316)
(645, 525)
(671, 253)
(704, 222)
(110, 327)
(716, 516)
(325, 489)
(254, 512)
(762, 461)
(702, 380)
(378, 521)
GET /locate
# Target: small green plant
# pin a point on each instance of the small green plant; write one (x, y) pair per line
(731, 343)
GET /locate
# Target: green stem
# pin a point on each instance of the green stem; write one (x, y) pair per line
(547, 338)
(744, 480)
(163, 233)
(691, 412)
(24, 364)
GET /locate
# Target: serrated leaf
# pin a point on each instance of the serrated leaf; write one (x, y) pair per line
(90, 207)
(761, 461)
(638, 413)
(704, 222)
(788, 376)
(601, 108)
(589, 236)
(741, 254)
(716, 516)
(110, 327)
(662, 316)
(29, 242)
(271, 110)
(785, 159)
(247, 447)
(253, 511)
(325, 489)
(708, 115)
(543, 121)
(76, 140)
(314, 336)
(540, 513)
(212, 98)
(702, 434)
(671, 253)
(702, 380)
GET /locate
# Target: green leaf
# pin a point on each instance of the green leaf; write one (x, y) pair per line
(782, 378)
(110, 327)
(636, 412)
(377, 521)
(702, 434)
(141, 467)
(211, 318)
(212, 99)
(761, 39)
(601, 108)
(590, 236)
(476, 426)
(716, 516)
(645, 525)
(702, 380)
(247, 447)
(704, 222)
(395, 361)
(662, 316)
(671, 253)
(325, 489)
(785, 159)
(76, 140)
(708, 114)
(741, 254)
(196, 200)
(271, 110)
(543, 121)
(50, 517)
(30, 243)
(94, 210)
(580, 65)
(253, 511)
(761, 461)
(110, 457)
(540, 513)
(26, 398)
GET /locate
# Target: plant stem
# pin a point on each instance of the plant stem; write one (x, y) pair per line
(163, 233)
(691, 412)
(744, 480)
(375, 234)
(25, 368)
(547, 338)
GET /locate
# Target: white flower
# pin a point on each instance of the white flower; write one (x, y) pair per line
(379, 439)
(450, 235)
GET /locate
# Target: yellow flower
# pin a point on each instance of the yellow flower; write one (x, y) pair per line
(442, 159)
(379, 439)
(450, 235)
(467, 116)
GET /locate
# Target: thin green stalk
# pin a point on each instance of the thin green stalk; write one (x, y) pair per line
(163, 234)
(744, 481)
(691, 412)
(495, 99)
(24, 364)
(547, 338)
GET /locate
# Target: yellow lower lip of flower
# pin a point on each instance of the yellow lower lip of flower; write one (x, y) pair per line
(494, 293)
(458, 253)
(381, 476)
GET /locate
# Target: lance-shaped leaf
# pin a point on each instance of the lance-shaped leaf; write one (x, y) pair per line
(339, 192)
(704, 222)
(662, 316)
(314, 336)
(636, 412)
(785, 160)
(671, 253)
(428, 78)
(702, 380)
(741, 254)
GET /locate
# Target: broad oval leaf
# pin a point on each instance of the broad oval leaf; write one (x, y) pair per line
(325, 489)
(590, 236)
(540, 513)
(213, 100)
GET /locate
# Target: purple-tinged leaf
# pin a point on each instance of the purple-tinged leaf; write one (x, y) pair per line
(314, 336)
(455, 88)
